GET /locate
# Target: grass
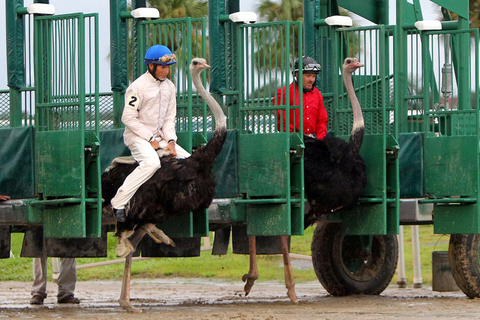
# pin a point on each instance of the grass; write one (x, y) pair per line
(230, 266)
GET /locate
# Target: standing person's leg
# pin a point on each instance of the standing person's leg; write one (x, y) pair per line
(39, 287)
(67, 278)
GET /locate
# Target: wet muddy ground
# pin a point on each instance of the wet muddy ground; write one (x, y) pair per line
(214, 299)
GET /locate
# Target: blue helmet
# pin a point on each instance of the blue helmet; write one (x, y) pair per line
(159, 54)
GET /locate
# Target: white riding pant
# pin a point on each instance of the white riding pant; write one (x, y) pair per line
(148, 163)
(66, 281)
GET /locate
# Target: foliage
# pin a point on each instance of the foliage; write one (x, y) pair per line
(291, 10)
(474, 13)
(171, 9)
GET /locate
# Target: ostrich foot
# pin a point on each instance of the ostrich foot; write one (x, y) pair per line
(127, 306)
(292, 295)
(157, 235)
(249, 282)
(124, 246)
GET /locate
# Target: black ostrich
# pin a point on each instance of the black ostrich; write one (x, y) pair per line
(334, 179)
(179, 186)
(334, 170)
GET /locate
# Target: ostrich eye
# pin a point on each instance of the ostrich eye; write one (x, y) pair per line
(195, 63)
(349, 61)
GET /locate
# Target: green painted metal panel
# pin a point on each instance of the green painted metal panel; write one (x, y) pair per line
(16, 162)
(112, 147)
(365, 219)
(451, 166)
(456, 218)
(374, 10)
(67, 221)
(15, 30)
(15, 44)
(410, 157)
(59, 166)
(459, 7)
(373, 151)
(297, 219)
(192, 224)
(226, 167)
(181, 226)
(263, 164)
(268, 220)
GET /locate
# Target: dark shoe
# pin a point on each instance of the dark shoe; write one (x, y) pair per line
(36, 300)
(69, 299)
(120, 215)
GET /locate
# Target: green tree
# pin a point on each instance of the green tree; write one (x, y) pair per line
(175, 9)
(271, 42)
(474, 13)
(171, 9)
(286, 10)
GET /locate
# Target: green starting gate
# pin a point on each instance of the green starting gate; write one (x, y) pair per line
(416, 85)
(270, 160)
(377, 211)
(67, 169)
(442, 104)
(269, 190)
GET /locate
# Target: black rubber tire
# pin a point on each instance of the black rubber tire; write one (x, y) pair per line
(343, 268)
(464, 263)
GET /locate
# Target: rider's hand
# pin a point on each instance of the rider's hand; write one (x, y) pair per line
(171, 147)
(154, 143)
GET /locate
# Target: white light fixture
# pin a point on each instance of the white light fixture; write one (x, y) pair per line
(426, 25)
(41, 8)
(243, 17)
(143, 13)
(339, 21)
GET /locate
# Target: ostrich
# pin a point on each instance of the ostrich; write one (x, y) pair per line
(179, 186)
(334, 170)
(334, 179)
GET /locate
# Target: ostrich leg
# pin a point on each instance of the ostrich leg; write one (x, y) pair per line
(125, 295)
(252, 274)
(289, 278)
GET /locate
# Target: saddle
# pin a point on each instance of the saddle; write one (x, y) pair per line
(130, 160)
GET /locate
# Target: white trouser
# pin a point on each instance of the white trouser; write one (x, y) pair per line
(67, 277)
(149, 163)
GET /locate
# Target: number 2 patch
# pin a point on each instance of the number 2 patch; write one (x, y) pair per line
(132, 101)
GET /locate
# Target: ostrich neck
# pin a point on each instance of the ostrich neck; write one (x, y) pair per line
(357, 110)
(220, 118)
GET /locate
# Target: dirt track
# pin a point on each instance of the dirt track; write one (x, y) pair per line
(213, 299)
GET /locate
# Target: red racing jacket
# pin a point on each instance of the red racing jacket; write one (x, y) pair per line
(315, 118)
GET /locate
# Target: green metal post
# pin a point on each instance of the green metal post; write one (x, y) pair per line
(313, 10)
(462, 69)
(118, 58)
(15, 61)
(222, 38)
(138, 66)
(400, 67)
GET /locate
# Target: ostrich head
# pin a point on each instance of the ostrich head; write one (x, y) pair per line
(351, 64)
(349, 67)
(198, 64)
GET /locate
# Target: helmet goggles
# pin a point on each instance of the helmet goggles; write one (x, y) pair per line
(166, 59)
(312, 67)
